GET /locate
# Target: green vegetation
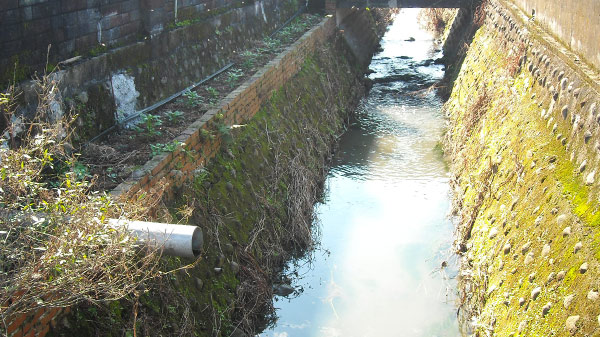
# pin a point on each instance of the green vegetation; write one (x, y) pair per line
(193, 99)
(157, 149)
(214, 93)
(174, 116)
(151, 124)
(233, 76)
(58, 249)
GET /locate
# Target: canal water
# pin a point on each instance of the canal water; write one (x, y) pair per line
(384, 266)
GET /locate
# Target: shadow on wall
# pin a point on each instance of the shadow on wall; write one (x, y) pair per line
(362, 42)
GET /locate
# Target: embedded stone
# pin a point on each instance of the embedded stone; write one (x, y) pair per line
(493, 233)
(593, 109)
(577, 247)
(538, 220)
(550, 278)
(564, 111)
(546, 250)
(535, 293)
(529, 258)
(587, 136)
(525, 248)
(589, 180)
(583, 166)
(235, 268)
(531, 277)
(546, 308)
(571, 324)
(583, 268)
(592, 295)
(561, 219)
(566, 231)
(506, 248)
(521, 301)
(561, 275)
(568, 300)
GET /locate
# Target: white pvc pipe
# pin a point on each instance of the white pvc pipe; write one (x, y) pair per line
(175, 240)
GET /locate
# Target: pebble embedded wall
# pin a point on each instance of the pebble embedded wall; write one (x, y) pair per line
(575, 22)
(524, 139)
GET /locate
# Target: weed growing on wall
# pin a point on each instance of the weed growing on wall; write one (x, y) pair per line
(57, 248)
(436, 19)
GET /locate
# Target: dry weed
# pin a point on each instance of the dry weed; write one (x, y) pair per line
(56, 246)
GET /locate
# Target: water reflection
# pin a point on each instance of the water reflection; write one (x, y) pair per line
(384, 228)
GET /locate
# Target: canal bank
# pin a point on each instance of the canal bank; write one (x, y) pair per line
(523, 147)
(252, 195)
(384, 265)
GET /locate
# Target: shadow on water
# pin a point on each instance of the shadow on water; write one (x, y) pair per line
(384, 266)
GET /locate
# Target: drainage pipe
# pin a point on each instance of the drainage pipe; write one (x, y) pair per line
(175, 240)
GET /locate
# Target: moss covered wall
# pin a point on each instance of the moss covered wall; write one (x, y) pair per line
(524, 147)
(254, 202)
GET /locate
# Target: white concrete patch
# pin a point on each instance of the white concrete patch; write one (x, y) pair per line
(125, 95)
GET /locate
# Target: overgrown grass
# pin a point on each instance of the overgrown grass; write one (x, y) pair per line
(57, 248)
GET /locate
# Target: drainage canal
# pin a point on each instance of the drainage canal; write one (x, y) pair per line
(384, 265)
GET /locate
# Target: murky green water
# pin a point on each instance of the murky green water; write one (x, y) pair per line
(384, 227)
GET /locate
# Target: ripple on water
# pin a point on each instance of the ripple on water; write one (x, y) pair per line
(384, 230)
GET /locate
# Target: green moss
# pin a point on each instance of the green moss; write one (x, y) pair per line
(505, 180)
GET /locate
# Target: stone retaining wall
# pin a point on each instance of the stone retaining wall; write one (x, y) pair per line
(109, 84)
(81, 26)
(202, 142)
(524, 145)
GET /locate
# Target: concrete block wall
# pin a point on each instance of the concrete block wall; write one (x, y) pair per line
(575, 22)
(70, 26)
(161, 64)
(81, 27)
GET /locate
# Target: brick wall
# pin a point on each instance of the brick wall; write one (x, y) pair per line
(79, 26)
(36, 323)
(202, 140)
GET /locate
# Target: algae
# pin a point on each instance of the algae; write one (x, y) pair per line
(514, 175)
(254, 202)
